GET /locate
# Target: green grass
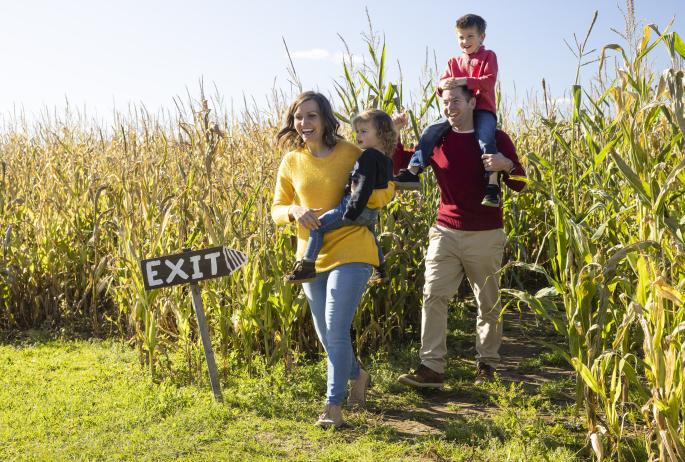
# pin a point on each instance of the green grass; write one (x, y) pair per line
(544, 359)
(90, 400)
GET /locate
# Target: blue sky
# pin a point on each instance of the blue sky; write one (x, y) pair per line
(106, 54)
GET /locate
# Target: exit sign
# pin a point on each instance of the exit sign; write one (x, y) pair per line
(190, 267)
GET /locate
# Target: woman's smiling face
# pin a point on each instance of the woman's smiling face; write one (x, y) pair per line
(308, 123)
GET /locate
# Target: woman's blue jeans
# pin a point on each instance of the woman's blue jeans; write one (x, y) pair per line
(333, 299)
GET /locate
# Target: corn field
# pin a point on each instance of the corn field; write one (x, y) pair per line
(602, 222)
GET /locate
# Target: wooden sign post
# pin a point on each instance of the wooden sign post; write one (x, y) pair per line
(190, 267)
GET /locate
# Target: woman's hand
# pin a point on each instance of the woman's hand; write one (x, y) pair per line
(304, 216)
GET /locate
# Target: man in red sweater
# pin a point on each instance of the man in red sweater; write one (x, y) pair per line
(468, 239)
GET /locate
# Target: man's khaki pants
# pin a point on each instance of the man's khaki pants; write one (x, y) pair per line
(451, 255)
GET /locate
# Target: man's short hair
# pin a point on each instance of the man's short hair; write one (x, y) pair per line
(472, 20)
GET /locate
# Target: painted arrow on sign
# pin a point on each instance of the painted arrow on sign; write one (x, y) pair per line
(189, 267)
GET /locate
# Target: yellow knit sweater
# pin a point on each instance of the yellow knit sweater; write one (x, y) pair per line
(319, 182)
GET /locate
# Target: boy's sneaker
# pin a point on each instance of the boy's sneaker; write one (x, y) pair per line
(406, 180)
(492, 196)
(484, 373)
(424, 377)
(379, 276)
(304, 271)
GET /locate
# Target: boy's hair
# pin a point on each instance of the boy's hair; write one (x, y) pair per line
(288, 137)
(385, 129)
(472, 20)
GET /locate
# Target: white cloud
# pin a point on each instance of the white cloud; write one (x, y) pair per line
(314, 54)
(562, 101)
(339, 56)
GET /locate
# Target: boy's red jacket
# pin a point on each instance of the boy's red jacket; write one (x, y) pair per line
(480, 70)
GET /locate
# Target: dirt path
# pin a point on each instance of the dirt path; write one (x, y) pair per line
(441, 409)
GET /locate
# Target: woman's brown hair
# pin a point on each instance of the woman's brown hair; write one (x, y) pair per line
(288, 138)
(385, 129)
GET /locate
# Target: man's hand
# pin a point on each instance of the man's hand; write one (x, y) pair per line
(400, 120)
(304, 216)
(497, 163)
(452, 82)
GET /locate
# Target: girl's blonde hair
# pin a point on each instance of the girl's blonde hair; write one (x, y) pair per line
(385, 129)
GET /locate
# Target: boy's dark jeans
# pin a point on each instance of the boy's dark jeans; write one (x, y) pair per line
(333, 219)
(484, 126)
(429, 138)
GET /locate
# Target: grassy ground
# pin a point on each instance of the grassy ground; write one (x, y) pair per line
(90, 400)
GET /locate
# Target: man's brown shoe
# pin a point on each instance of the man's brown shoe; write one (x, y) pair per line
(484, 373)
(424, 377)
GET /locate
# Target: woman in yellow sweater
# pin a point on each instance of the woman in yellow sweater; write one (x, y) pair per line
(311, 179)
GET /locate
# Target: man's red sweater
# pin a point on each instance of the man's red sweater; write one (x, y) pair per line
(480, 70)
(459, 171)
